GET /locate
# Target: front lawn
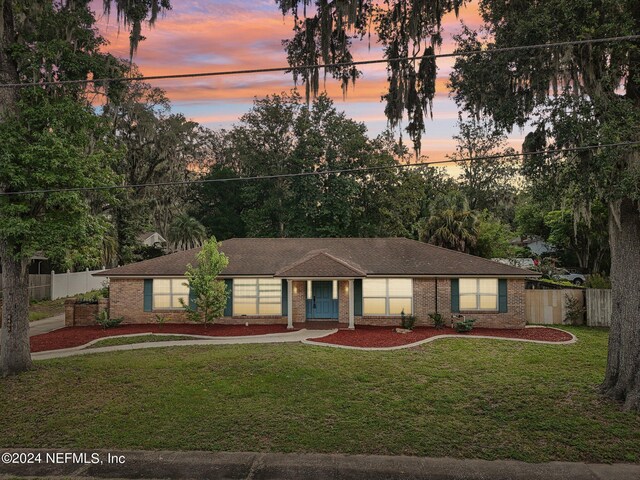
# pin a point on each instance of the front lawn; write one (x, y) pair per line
(452, 397)
(115, 341)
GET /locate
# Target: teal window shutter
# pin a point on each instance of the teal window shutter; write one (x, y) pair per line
(357, 297)
(502, 295)
(148, 294)
(285, 298)
(192, 300)
(228, 309)
(455, 295)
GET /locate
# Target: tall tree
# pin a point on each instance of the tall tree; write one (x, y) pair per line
(186, 232)
(158, 147)
(488, 183)
(404, 29)
(51, 140)
(582, 94)
(451, 224)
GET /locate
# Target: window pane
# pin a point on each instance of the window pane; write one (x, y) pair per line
(489, 285)
(374, 287)
(176, 300)
(243, 290)
(468, 302)
(374, 306)
(468, 285)
(396, 305)
(270, 289)
(244, 306)
(161, 285)
(161, 301)
(400, 287)
(270, 309)
(488, 302)
(178, 287)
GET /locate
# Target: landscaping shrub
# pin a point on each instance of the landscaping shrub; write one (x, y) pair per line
(91, 297)
(574, 310)
(465, 325)
(407, 321)
(438, 320)
(598, 281)
(160, 319)
(103, 319)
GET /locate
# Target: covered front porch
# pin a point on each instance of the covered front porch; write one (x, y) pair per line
(321, 287)
(327, 302)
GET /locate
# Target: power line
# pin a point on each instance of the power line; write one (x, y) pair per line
(316, 173)
(327, 65)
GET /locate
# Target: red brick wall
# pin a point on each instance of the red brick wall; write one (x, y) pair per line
(424, 303)
(299, 301)
(82, 314)
(343, 301)
(127, 301)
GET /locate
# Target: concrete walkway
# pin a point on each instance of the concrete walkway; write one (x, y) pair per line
(195, 465)
(297, 336)
(46, 325)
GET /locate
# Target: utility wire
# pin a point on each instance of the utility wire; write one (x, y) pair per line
(317, 172)
(327, 65)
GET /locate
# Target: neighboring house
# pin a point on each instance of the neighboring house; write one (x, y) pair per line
(535, 244)
(151, 239)
(517, 262)
(350, 281)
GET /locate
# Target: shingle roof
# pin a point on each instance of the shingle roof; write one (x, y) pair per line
(320, 264)
(339, 256)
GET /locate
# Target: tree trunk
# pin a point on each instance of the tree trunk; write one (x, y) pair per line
(8, 70)
(15, 352)
(622, 378)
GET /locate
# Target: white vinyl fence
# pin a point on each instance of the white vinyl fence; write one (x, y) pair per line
(68, 284)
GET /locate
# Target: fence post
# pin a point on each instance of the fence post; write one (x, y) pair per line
(52, 283)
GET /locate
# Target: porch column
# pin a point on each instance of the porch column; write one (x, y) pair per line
(289, 304)
(352, 323)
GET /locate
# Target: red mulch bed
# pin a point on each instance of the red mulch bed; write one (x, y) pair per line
(379, 337)
(75, 336)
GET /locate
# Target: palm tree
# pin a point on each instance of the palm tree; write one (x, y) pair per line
(451, 224)
(186, 232)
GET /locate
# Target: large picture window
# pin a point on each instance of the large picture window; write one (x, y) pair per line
(478, 294)
(257, 296)
(167, 293)
(387, 296)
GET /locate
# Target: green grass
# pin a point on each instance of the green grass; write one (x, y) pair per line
(109, 342)
(45, 308)
(454, 397)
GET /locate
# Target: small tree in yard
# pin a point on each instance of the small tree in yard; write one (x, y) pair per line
(208, 295)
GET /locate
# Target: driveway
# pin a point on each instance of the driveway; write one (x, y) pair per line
(46, 325)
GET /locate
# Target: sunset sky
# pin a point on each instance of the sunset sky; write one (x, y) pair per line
(212, 35)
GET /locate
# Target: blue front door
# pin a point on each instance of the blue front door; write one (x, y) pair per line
(322, 305)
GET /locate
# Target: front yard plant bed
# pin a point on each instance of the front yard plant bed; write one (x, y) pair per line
(385, 337)
(76, 336)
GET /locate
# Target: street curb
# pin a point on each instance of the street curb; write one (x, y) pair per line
(245, 465)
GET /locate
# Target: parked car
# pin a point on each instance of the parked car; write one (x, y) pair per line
(575, 278)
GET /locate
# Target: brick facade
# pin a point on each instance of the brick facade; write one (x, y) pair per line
(127, 300)
(82, 314)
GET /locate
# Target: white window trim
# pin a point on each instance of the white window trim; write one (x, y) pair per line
(257, 298)
(386, 301)
(478, 294)
(171, 294)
